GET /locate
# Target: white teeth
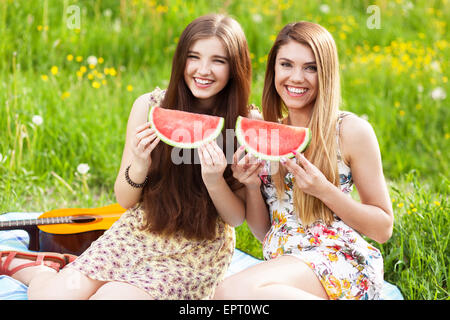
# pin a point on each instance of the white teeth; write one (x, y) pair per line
(296, 90)
(201, 81)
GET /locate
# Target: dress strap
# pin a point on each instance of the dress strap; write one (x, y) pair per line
(342, 115)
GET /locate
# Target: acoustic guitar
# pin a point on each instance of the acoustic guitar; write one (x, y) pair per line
(66, 230)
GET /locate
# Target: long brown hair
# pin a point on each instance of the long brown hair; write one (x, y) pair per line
(322, 151)
(176, 199)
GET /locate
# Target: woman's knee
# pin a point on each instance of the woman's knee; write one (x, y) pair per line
(234, 287)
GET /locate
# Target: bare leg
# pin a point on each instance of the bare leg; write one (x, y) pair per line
(285, 277)
(66, 284)
(46, 283)
(119, 291)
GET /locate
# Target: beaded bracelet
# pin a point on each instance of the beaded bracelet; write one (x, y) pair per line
(134, 184)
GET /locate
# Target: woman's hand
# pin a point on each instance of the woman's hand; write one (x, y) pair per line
(247, 169)
(213, 162)
(307, 176)
(144, 141)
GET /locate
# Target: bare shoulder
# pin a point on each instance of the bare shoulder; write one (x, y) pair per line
(142, 104)
(357, 136)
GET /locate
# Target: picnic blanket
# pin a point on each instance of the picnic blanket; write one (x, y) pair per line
(11, 289)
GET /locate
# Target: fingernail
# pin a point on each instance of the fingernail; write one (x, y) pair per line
(241, 148)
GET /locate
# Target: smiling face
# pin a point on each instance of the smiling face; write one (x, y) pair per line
(207, 70)
(296, 79)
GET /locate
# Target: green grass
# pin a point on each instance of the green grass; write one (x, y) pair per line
(388, 76)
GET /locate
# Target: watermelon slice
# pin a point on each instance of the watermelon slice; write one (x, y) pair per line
(183, 129)
(270, 140)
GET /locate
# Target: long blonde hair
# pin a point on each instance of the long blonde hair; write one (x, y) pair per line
(322, 151)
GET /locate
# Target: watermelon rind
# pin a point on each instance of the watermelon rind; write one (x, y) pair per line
(241, 140)
(192, 145)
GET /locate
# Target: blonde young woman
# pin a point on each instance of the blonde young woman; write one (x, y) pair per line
(311, 228)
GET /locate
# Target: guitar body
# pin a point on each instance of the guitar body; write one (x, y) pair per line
(67, 230)
(96, 219)
(68, 243)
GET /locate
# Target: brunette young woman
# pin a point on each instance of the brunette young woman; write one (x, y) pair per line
(312, 228)
(176, 239)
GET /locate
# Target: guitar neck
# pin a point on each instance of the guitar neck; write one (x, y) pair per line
(12, 224)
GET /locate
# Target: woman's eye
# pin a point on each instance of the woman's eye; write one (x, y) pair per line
(285, 64)
(191, 56)
(311, 68)
(219, 61)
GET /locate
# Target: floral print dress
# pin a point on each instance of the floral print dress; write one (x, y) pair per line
(166, 267)
(347, 266)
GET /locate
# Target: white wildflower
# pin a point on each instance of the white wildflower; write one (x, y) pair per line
(420, 88)
(256, 17)
(83, 168)
(324, 8)
(37, 120)
(438, 94)
(92, 60)
(435, 65)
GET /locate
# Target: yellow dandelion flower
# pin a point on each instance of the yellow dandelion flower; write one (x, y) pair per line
(44, 77)
(91, 66)
(112, 71)
(69, 57)
(54, 70)
(444, 79)
(414, 209)
(342, 35)
(106, 71)
(79, 58)
(162, 9)
(104, 82)
(79, 74)
(90, 76)
(39, 28)
(100, 60)
(400, 205)
(130, 87)
(437, 203)
(65, 95)
(96, 84)
(393, 200)
(447, 135)
(402, 113)
(83, 69)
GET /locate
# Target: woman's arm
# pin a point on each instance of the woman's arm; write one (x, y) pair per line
(140, 141)
(229, 206)
(246, 171)
(372, 216)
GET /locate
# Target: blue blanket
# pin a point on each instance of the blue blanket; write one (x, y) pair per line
(11, 289)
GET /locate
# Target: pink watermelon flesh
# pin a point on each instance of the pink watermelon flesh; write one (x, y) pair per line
(184, 129)
(271, 140)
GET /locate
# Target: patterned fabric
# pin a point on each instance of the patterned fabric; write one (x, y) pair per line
(165, 267)
(11, 289)
(347, 266)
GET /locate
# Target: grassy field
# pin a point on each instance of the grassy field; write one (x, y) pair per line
(70, 71)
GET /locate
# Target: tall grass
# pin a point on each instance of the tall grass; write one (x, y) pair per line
(59, 110)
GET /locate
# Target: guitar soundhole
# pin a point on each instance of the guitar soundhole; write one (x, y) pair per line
(83, 219)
